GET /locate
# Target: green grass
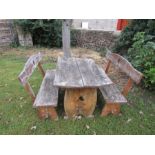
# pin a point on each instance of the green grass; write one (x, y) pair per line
(18, 117)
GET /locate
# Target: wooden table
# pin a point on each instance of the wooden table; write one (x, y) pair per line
(81, 77)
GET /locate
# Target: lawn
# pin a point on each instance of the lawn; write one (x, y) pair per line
(18, 117)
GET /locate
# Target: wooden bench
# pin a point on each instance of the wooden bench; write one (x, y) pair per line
(111, 93)
(46, 100)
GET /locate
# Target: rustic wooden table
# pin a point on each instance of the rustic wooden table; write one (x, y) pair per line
(81, 77)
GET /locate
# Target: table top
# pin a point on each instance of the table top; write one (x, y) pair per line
(79, 73)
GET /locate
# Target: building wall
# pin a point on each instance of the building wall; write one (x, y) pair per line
(96, 24)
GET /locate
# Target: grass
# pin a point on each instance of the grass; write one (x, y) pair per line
(18, 117)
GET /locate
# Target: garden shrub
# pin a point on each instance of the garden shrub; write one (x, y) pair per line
(125, 40)
(44, 32)
(142, 56)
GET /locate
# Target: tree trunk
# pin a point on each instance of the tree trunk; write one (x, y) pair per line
(66, 37)
(80, 102)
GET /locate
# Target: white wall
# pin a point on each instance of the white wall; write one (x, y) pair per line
(96, 24)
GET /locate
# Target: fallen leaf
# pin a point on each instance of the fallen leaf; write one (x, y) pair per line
(10, 99)
(140, 112)
(142, 126)
(21, 98)
(79, 117)
(21, 115)
(87, 126)
(120, 114)
(129, 120)
(33, 128)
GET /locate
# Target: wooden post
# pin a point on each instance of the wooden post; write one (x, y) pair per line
(66, 37)
(127, 87)
(41, 69)
(30, 91)
(107, 66)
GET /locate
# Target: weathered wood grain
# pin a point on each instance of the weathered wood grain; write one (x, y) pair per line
(41, 69)
(125, 66)
(66, 37)
(48, 94)
(92, 75)
(29, 67)
(127, 87)
(79, 73)
(67, 74)
(111, 108)
(29, 90)
(112, 94)
(47, 111)
(80, 102)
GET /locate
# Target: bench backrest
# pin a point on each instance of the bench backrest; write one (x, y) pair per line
(27, 71)
(125, 66)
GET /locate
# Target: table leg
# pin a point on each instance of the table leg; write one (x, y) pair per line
(80, 102)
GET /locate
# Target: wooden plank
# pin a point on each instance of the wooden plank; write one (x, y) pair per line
(29, 67)
(92, 75)
(112, 94)
(66, 37)
(100, 76)
(67, 74)
(48, 94)
(125, 66)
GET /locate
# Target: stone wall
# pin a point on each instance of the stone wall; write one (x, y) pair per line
(92, 39)
(7, 34)
(25, 39)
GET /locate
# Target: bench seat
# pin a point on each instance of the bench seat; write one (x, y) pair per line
(48, 94)
(112, 94)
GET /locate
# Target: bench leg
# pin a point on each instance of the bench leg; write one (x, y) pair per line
(52, 113)
(42, 112)
(45, 112)
(111, 108)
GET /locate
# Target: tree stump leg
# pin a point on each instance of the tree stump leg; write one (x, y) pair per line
(45, 112)
(42, 112)
(111, 108)
(52, 113)
(80, 102)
